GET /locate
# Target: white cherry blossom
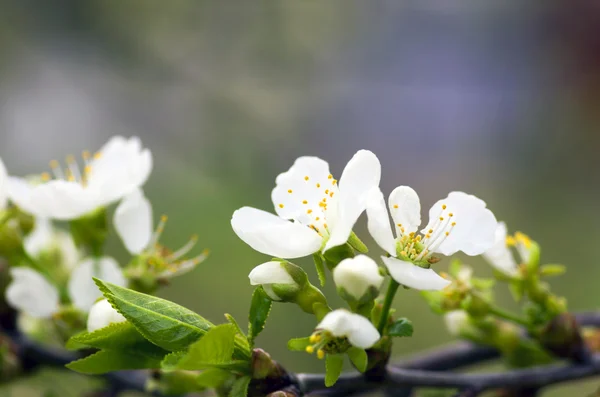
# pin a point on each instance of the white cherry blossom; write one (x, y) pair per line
(500, 255)
(357, 275)
(45, 237)
(342, 323)
(270, 273)
(102, 314)
(117, 169)
(314, 212)
(460, 222)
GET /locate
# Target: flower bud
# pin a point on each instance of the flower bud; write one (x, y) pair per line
(358, 278)
(103, 314)
(456, 321)
(277, 280)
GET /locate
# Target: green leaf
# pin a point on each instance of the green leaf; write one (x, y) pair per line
(259, 312)
(241, 339)
(359, 358)
(357, 244)
(213, 378)
(401, 327)
(333, 368)
(163, 323)
(113, 360)
(232, 321)
(240, 387)
(552, 270)
(320, 266)
(215, 349)
(298, 344)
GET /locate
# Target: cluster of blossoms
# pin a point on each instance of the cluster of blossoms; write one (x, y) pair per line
(52, 267)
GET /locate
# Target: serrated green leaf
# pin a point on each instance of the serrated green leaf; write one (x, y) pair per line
(552, 270)
(232, 321)
(401, 327)
(113, 360)
(298, 344)
(241, 340)
(357, 244)
(213, 378)
(320, 267)
(333, 368)
(359, 358)
(259, 312)
(162, 322)
(240, 387)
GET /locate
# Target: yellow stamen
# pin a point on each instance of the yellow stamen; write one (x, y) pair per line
(290, 191)
(304, 202)
(443, 206)
(310, 349)
(395, 205)
(306, 178)
(320, 354)
(280, 205)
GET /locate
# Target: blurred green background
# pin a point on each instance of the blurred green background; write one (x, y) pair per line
(496, 98)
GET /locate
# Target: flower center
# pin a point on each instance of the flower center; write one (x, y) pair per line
(71, 171)
(322, 341)
(417, 247)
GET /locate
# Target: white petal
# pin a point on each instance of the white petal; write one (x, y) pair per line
(133, 222)
(70, 255)
(102, 314)
(300, 191)
(31, 293)
(40, 238)
(360, 176)
(3, 185)
(356, 275)
(20, 192)
(270, 273)
(455, 321)
(379, 222)
(475, 228)
(83, 290)
(405, 208)
(413, 276)
(359, 330)
(272, 235)
(500, 256)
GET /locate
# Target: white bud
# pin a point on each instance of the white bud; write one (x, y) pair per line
(271, 273)
(357, 275)
(456, 321)
(103, 314)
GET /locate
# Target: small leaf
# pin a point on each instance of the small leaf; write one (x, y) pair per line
(231, 320)
(241, 339)
(259, 312)
(357, 244)
(552, 270)
(320, 266)
(113, 360)
(163, 323)
(298, 344)
(359, 358)
(333, 368)
(213, 378)
(401, 327)
(240, 387)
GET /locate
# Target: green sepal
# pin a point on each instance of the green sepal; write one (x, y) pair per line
(320, 310)
(337, 254)
(357, 244)
(240, 387)
(552, 270)
(90, 231)
(359, 358)
(162, 322)
(113, 360)
(298, 344)
(333, 368)
(402, 327)
(260, 307)
(435, 300)
(320, 266)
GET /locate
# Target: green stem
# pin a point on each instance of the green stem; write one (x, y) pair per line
(387, 304)
(498, 312)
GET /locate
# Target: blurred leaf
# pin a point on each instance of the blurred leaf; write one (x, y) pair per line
(162, 322)
(333, 368)
(517, 289)
(213, 378)
(259, 312)
(298, 344)
(240, 387)
(401, 327)
(359, 358)
(454, 267)
(113, 360)
(320, 266)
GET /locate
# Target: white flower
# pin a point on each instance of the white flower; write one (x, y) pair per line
(342, 323)
(44, 237)
(500, 255)
(3, 186)
(455, 321)
(102, 314)
(120, 167)
(134, 225)
(30, 292)
(312, 210)
(270, 273)
(460, 222)
(357, 275)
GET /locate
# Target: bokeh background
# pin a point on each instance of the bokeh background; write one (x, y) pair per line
(497, 98)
